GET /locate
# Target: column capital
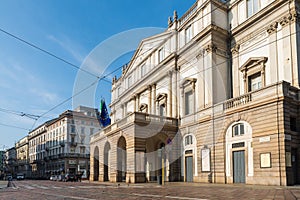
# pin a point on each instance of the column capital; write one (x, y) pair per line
(235, 49)
(272, 28)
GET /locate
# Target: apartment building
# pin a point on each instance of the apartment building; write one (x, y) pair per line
(214, 98)
(22, 150)
(61, 145)
(10, 165)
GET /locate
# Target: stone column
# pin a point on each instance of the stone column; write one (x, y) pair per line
(272, 31)
(236, 72)
(169, 99)
(134, 104)
(174, 95)
(149, 99)
(154, 99)
(138, 103)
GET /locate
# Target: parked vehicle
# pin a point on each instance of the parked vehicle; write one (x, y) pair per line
(20, 176)
(60, 178)
(70, 177)
(53, 178)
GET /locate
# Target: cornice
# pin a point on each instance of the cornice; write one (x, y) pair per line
(262, 14)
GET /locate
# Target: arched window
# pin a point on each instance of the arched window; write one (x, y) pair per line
(238, 130)
(188, 140)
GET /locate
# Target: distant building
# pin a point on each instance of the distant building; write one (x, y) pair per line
(2, 162)
(62, 145)
(11, 161)
(22, 151)
(214, 99)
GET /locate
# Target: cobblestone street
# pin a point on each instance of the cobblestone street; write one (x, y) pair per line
(88, 191)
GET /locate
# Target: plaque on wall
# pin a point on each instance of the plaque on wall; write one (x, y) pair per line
(265, 160)
(205, 161)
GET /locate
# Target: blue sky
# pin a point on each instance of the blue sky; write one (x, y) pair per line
(34, 82)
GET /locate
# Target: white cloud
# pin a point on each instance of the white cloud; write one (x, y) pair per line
(69, 46)
(47, 97)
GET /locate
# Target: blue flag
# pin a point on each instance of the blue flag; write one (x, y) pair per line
(104, 116)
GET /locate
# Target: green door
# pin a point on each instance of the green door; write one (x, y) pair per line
(189, 168)
(239, 167)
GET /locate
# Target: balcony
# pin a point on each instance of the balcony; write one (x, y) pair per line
(242, 100)
(140, 119)
(189, 13)
(73, 155)
(73, 144)
(266, 95)
(272, 92)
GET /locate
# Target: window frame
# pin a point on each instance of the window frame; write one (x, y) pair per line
(238, 126)
(143, 70)
(129, 81)
(188, 34)
(188, 140)
(254, 4)
(188, 102)
(251, 82)
(161, 54)
(253, 66)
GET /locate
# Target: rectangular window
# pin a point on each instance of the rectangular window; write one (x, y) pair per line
(72, 129)
(82, 130)
(119, 91)
(143, 70)
(255, 82)
(252, 7)
(162, 110)
(72, 139)
(91, 131)
(82, 150)
(161, 55)
(293, 124)
(129, 81)
(188, 34)
(72, 150)
(189, 103)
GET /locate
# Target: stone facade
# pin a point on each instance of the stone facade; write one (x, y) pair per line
(214, 99)
(61, 145)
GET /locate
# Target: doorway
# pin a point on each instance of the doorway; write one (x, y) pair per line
(96, 164)
(106, 162)
(239, 167)
(189, 168)
(121, 160)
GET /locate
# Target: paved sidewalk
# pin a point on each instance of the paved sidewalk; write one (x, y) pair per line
(3, 184)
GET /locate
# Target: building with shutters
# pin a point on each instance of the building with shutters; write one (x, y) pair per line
(58, 146)
(214, 98)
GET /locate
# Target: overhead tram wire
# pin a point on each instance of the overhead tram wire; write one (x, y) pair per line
(103, 78)
(12, 126)
(75, 66)
(68, 62)
(47, 52)
(22, 114)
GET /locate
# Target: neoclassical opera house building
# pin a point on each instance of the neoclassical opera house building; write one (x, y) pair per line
(214, 98)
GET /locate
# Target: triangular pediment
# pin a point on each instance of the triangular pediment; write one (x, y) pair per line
(146, 47)
(253, 61)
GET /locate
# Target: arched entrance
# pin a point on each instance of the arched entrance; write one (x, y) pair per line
(96, 164)
(121, 159)
(106, 161)
(239, 153)
(190, 157)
